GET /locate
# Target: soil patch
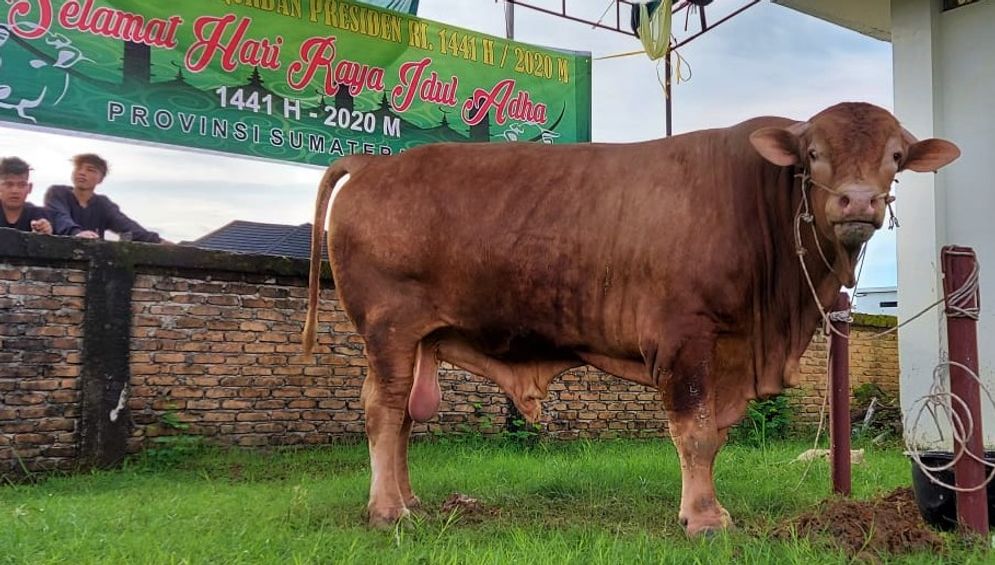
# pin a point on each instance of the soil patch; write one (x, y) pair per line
(889, 524)
(469, 509)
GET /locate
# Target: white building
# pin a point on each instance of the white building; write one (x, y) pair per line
(944, 83)
(875, 300)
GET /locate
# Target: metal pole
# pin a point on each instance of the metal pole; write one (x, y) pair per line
(959, 264)
(668, 93)
(515, 421)
(839, 399)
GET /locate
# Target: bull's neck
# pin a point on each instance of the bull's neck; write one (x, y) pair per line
(786, 297)
(822, 265)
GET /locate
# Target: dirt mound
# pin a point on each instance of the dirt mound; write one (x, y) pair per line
(467, 508)
(889, 524)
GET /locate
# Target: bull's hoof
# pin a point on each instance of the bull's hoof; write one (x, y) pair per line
(413, 503)
(705, 531)
(386, 519)
(707, 525)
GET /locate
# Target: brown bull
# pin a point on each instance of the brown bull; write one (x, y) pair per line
(670, 263)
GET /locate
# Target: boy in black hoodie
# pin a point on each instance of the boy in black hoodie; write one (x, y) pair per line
(15, 210)
(79, 211)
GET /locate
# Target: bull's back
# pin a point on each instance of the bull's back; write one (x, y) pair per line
(564, 241)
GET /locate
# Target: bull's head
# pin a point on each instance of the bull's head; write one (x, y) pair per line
(849, 155)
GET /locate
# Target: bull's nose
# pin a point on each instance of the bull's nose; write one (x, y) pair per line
(858, 204)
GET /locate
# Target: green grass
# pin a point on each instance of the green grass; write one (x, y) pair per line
(580, 502)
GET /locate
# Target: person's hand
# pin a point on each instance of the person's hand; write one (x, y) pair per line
(41, 225)
(87, 234)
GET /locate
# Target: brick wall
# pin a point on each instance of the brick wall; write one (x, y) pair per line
(872, 360)
(41, 314)
(225, 356)
(213, 341)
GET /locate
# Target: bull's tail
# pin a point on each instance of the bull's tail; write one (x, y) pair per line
(333, 174)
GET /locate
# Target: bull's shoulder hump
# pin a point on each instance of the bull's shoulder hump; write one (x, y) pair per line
(490, 147)
(765, 122)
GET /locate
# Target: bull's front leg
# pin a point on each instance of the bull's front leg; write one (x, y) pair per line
(697, 446)
(689, 397)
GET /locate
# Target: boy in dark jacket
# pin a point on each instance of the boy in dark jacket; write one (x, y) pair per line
(15, 210)
(79, 211)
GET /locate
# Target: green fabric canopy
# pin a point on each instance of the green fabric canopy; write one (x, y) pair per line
(408, 6)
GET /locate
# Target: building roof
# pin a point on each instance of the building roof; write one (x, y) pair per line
(874, 289)
(869, 17)
(260, 239)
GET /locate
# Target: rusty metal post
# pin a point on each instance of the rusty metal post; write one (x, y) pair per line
(668, 93)
(839, 399)
(962, 303)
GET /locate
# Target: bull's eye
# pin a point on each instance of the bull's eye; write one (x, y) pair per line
(813, 154)
(897, 156)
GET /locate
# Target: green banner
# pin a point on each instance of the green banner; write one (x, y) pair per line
(294, 80)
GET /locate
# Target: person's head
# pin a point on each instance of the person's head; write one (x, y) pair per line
(89, 170)
(15, 183)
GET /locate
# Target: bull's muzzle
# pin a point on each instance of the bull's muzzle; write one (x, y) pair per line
(854, 234)
(856, 211)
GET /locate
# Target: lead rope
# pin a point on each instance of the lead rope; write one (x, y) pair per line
(938, 399)
(804, 214)
(892, 216)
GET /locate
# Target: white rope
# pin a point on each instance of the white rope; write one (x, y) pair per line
(962, 429)
(960, 299)
(603, 14)
(840, 316)
(938, 400)
(822, 424)
(804, 215)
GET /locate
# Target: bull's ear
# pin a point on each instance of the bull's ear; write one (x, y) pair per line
(777, 145)
(929, 155)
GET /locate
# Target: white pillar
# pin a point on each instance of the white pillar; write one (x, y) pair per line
(944, 73)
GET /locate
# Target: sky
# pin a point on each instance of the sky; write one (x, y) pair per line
(768, 60)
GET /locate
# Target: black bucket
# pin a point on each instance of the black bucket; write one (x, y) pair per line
(937, 504)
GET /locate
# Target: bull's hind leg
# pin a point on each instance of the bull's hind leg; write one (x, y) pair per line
(689, 397)
(391, 352)
(384, 401)
(411, 501)
(424, 397)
